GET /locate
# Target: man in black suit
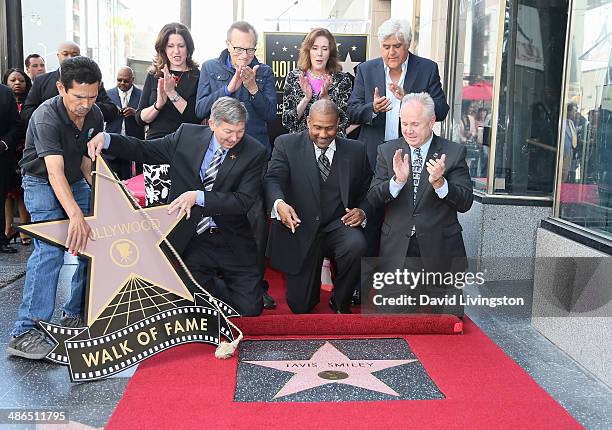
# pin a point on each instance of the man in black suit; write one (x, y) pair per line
(315, 187)
(10, 132)
(126, 97)
(422, 181)
(44, 87)
(216, 176)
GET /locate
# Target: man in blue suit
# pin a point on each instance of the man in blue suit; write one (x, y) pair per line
(126, 97)
(375, 102)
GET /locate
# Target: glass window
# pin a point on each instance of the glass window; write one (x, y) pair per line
(530, 92)
(585, 191)
(476, 46)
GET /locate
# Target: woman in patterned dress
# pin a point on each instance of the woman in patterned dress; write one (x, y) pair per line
(318, 76)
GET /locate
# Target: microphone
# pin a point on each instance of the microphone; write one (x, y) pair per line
(284, 12)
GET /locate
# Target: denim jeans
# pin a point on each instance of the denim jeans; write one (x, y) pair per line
(46, 261)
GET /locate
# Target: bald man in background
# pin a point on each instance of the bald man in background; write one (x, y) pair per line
(126, 97)
(44, 87)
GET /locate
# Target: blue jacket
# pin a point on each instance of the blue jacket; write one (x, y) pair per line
(215, 75)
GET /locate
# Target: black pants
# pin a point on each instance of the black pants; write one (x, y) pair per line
(4, 170)
(345, 245)
(207, 255)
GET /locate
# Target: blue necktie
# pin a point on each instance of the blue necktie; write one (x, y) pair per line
(208, 181)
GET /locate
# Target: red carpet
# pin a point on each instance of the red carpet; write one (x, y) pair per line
(281, 321)
(484, 389)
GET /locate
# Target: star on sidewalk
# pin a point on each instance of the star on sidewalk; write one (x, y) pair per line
(126, 244)
(348, 65)
(330, 366)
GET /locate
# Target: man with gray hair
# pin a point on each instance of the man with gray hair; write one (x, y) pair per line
(422, 181)
(379, 87)
(381, 83)
(216, 175)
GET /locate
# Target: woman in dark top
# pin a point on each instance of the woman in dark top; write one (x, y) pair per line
(20, 83)
(318, 76)
(168, 99)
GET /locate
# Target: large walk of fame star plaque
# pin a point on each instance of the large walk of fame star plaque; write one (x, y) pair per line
(137, 301)
(337, 370)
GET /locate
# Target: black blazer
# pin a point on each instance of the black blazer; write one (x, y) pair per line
(293, 175)
(236, 187)
(421, 76)
(435, 219)
(43, 88)
(169, 119)
(131, 127)
(11, 130)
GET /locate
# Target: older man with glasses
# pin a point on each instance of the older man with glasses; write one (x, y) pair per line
(237, 73)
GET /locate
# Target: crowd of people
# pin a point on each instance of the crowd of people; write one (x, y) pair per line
(200, 137)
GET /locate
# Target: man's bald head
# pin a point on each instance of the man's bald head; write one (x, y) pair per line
(324, 107)
(125, 78)
(67, 49)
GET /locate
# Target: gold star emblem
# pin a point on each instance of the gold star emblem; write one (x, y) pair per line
(126, 245)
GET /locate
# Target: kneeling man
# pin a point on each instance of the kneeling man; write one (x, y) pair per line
(316, 188)
(216, 176)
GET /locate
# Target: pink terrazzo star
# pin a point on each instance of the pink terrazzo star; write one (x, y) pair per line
(330, 366)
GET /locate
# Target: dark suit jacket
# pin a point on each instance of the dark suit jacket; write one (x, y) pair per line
(421, 76)
(43, 88)
(293, 175)
(437, 228)
(237, 185)
(11, 130)
(131, 127)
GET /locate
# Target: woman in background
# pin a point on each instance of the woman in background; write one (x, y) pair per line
(19, 82)
(168, 99)
(318, 76)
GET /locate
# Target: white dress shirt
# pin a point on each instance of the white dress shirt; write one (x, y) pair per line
(124, 97)
(393, 116)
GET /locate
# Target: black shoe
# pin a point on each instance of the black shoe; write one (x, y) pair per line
(268, 301)
(5, 249)
(356, 299)
(336, 309)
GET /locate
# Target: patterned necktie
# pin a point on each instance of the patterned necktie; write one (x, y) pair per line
(208, 181)
(324, 166)
(124, 103)
(417, 163)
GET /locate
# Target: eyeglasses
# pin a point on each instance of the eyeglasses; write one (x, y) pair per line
(238, 50)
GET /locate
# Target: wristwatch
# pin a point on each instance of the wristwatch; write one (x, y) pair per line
(176, 98)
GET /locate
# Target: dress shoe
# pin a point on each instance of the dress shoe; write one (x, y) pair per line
(336, 309)
(5, 249)
(356, 299)
(268, 301)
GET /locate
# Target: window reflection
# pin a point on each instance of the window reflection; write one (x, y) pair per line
(585, 193)
(530, 94)
(475, 70)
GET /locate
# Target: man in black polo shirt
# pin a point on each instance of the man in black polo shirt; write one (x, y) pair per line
(56, 177)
